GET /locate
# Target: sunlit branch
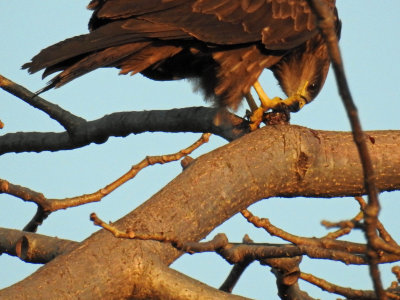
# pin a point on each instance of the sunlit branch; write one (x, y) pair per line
(344, 291)
(237, 270)
(237, 252)
(50, 205)
(32, 247)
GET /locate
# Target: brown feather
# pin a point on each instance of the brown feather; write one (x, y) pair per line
(220, 45)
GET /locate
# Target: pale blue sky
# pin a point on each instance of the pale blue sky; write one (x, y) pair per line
(370, 46)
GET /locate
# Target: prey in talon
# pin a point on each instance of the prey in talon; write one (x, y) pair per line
(301, 76)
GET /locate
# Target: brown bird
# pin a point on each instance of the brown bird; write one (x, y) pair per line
(220, 45)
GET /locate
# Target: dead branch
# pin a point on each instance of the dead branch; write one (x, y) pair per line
(31, 247)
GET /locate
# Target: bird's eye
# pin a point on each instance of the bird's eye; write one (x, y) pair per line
(312, 88)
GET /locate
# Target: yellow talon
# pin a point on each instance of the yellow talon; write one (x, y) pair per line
(294, 103)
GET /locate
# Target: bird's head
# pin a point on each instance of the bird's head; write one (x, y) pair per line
(302, 73)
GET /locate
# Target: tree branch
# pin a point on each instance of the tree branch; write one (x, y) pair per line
(238, 268)
(327, 29)
(120, 124)
(63, 117)
(50, 205)
(346, 292)
(33, 247)
(285, 161)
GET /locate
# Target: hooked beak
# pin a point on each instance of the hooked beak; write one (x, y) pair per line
(301, 97)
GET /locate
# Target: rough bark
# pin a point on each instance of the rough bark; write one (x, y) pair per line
(285, 161)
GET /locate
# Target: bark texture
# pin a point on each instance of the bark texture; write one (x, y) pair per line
(282, 160)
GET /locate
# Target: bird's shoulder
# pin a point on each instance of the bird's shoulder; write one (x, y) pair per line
(278, 24)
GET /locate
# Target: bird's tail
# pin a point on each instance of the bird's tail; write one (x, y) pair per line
(118, 44)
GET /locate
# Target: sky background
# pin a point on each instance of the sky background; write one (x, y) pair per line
(370, 45)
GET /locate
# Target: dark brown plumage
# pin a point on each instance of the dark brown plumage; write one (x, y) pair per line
(222, 45)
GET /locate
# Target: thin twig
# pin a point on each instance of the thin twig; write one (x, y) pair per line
(237, 270)
(325, 243)
(238, 252)
(327, 28)
(66, 119)
(46, 206)
(384, 234)
(343, 291)
(345, 226)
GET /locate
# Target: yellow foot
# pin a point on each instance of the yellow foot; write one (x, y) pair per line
(256, 118)
(292, 104)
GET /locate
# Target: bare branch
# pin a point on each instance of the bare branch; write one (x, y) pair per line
(381, 229)
(37, 219)
(345, 226)
(346, 292)
(327, 28)
(121, 124)
(31, 247)
(325, 243)
(69, 121)
(81, 132)
(298, 155)
(46, 206)
(237, 270)
(238, 253)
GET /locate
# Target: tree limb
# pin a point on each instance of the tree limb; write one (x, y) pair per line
(121, 124)
(285, 161)
(80, 132)
(33, 247)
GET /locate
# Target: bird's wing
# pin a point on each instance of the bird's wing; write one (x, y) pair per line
(279, 24)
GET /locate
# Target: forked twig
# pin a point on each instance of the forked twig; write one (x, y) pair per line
(50, 205)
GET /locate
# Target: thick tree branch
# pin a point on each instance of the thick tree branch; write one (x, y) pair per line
(121, 124)
(286, 161)
(81, 132)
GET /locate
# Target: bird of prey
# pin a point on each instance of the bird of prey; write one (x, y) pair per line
(220, 45)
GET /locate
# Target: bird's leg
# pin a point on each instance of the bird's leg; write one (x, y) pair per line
(250, 101)
(293, 103)
(266, 104)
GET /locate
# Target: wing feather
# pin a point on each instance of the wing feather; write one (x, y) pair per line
(109, 35)
(279, 24)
